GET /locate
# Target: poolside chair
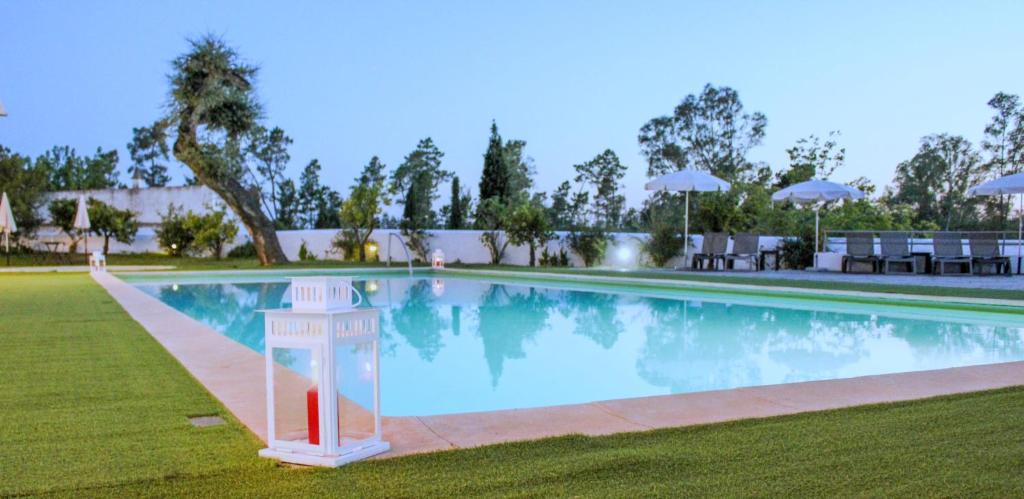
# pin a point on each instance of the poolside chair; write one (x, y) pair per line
(860, 248)
(745, 247)
(712, 248)
(985, 251)
(949, 248)
(896, 249)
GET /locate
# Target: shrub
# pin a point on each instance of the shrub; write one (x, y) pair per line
(589, 243)
(664, 244)
(173, 235)
(797, 252)
(246, 250)
(211, 232)
(304, 253)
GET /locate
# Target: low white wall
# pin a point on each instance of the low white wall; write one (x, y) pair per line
(458, 245)
(465, 246)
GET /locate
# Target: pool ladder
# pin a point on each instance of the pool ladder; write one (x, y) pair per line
(405, 247)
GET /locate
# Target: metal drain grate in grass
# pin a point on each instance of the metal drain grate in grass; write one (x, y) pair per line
(205, 421)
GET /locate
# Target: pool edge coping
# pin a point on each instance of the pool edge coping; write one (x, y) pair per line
(235, 375)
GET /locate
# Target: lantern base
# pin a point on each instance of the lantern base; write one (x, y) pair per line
(294, 457)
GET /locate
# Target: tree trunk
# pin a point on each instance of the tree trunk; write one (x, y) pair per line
(106, 245)
(245, 203)
(532, 252)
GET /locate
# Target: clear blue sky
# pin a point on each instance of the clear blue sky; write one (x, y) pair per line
(348, 81)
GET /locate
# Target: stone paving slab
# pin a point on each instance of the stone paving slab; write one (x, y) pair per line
(235, 375)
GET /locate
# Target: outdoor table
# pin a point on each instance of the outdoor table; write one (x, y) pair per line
(927, 257)
(761, 265)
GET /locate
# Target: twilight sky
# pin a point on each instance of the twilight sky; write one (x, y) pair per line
(350, 80)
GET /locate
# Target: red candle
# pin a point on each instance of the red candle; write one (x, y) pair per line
(313, 415)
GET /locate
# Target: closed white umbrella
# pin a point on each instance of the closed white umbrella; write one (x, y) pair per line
(82, 221)
(816, 191)
(1002, 186)
(686, 181)
(7, 224)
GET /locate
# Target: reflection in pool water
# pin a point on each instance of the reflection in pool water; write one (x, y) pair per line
(468, 345)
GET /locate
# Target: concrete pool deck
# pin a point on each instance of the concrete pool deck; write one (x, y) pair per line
(235, 375)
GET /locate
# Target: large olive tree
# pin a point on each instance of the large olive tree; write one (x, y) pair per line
(213, 112)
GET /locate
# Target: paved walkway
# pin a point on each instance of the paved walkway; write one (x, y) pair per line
(235, 375)
(1014, 282)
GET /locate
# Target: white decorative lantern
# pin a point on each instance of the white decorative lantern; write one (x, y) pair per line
(438, 260)
(323, 378)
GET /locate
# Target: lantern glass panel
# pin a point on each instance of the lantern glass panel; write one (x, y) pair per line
(296, 396)
(355, 376)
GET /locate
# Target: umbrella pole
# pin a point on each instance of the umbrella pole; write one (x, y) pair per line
(686, 231)
(815, 237)
(7, 246)
(1020, 230)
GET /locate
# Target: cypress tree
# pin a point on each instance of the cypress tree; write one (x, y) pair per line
(456, 219)
(494, 179)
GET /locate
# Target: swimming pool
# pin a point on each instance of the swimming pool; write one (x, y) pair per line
(462, 344)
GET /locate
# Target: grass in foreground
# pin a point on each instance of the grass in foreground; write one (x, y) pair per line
(93, 406)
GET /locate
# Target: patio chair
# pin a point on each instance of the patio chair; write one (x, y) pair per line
(745, 247)
(712, 248)
(860, 248)
(985, 251)
(896, 249)
(949, 248)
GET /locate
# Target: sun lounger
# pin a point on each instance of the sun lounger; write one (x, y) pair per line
(985, 251)
(896, 249)
(712, 248)
(949, 249)
(860, 248)
(745, 247)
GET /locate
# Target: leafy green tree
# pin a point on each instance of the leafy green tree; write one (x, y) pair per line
(417, 179)
(603, 176)
(936, 179)
(288, 205)
(213, 110)
(211, 231)
(810, 158)
(269, 149)
(560, 211)
(664, 244)
(68, 171)
(148, 150)
(491, 216)
(528, 225)
(309, 194)
(709, 132)
(1004, 143)
(62, 215)
(327, 210)
(360, 213)
(25, 183)
(109, 222)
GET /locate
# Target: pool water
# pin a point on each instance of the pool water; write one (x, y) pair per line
(461, 344)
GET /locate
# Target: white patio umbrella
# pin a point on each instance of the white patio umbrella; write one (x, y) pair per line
(1010, 184)
(7, 224)
(686, 181)
(82, 220)
(816, 191)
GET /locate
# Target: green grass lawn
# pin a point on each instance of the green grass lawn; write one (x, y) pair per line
(92, 406)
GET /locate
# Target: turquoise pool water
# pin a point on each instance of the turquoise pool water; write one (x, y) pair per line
(461, 344)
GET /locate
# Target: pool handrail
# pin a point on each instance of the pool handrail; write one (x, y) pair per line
(405, 247)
